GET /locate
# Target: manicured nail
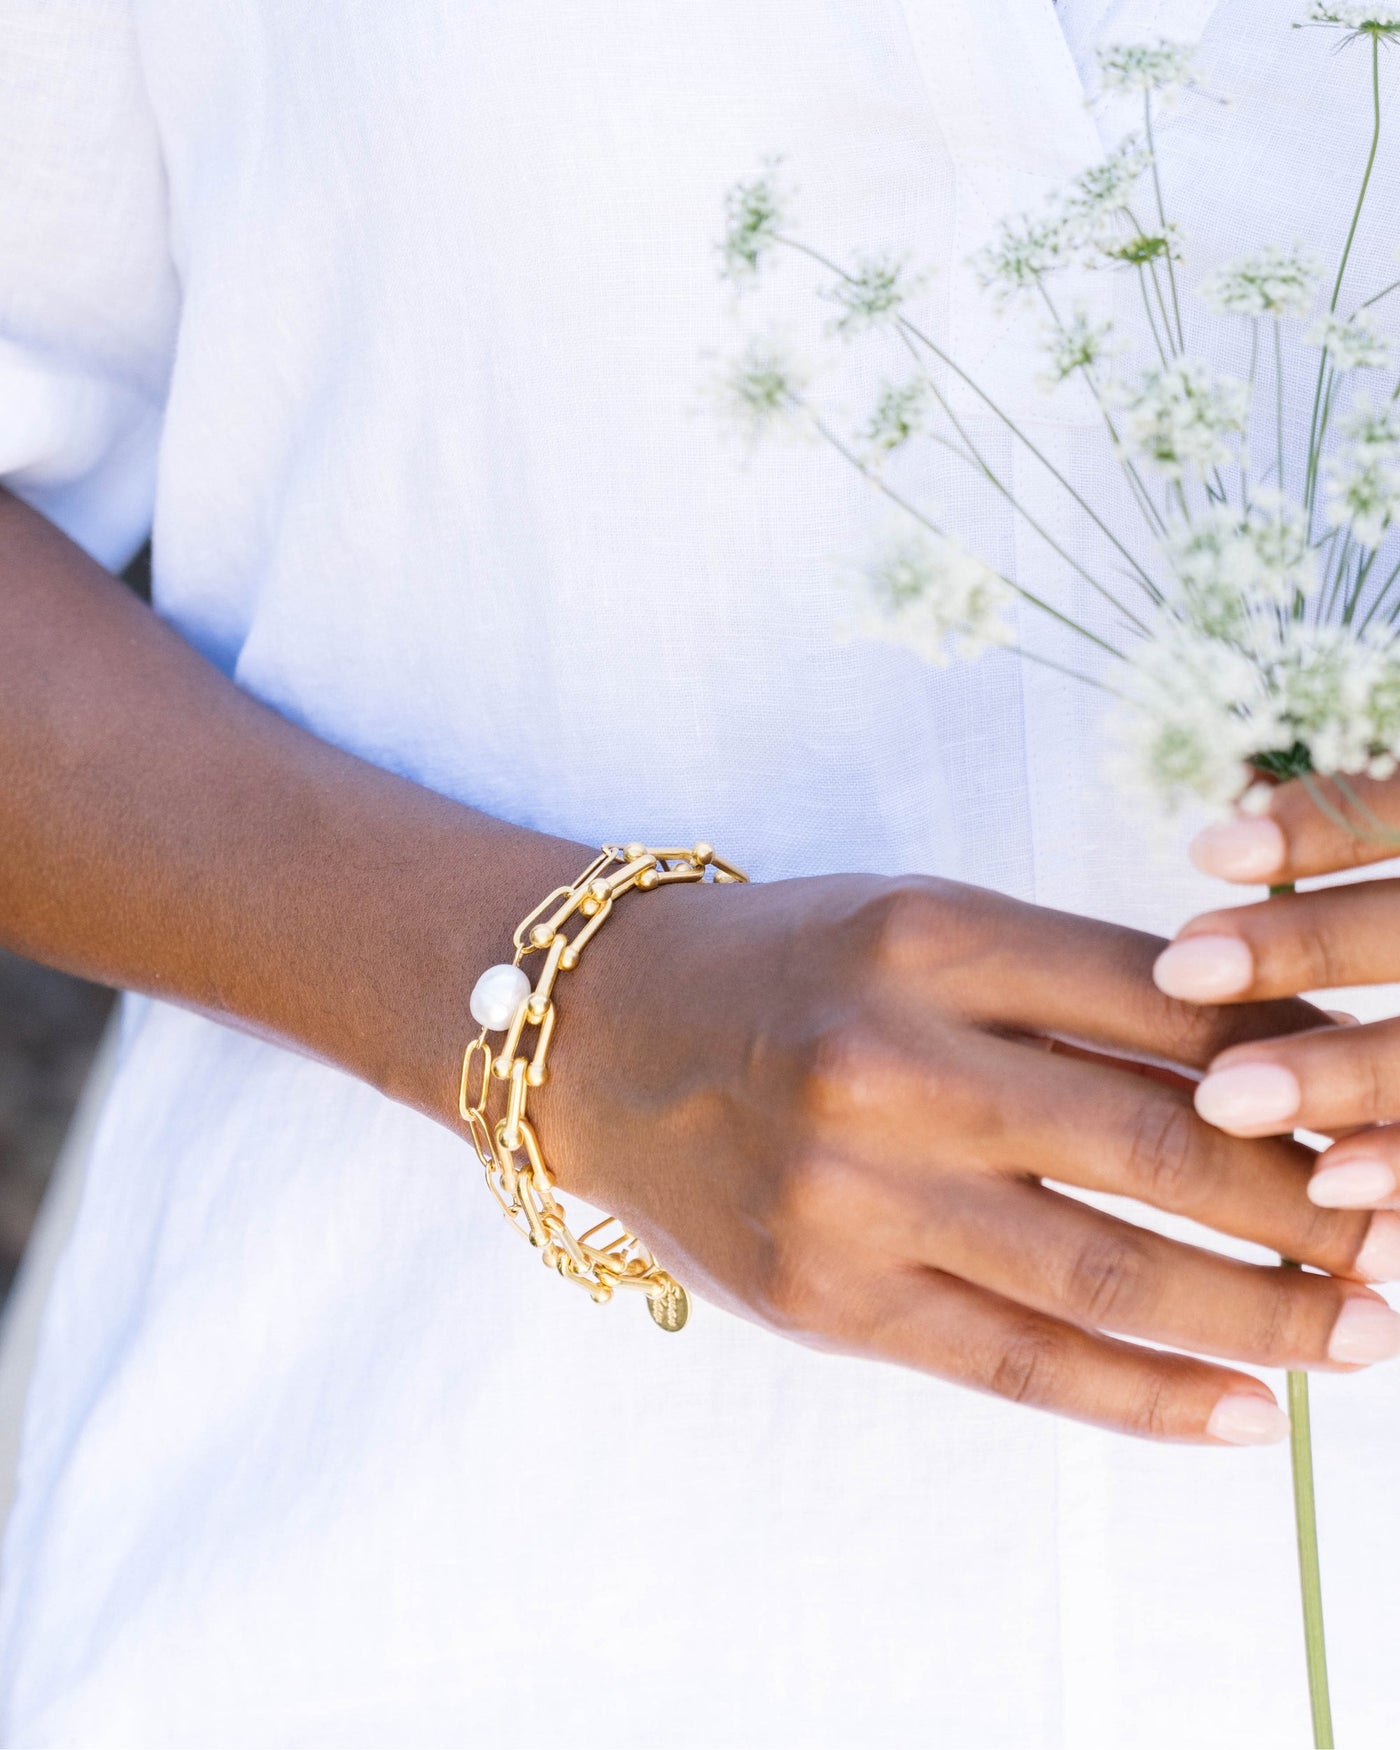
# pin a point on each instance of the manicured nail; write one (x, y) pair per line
(1365, 1331)
(1240, 850)
(1203, 969)
(1379, 1257)
(1359, 1183)
(1245, 1096)
(1245, 1419)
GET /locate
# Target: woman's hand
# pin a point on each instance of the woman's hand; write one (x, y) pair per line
(818, 1098)
(1343, 1082)
(828, 1103)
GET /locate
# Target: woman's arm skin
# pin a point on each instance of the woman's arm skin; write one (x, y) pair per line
(1343, 1082)
(815, 1097)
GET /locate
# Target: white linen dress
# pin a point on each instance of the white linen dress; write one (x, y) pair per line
(392, 320)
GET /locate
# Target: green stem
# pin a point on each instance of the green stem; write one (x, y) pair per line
(1278, 396)
(977, 460)
(1162, 215)
(1314, 434)
(1305, 1522)
(907, 327)
(843, 450)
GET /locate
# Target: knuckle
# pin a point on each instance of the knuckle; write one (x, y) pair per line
(1106, 1281)
(1368, 1093)
(919, 917)
(818, 1195)
(844, 1075)
(1276, 1327)
(1316, 954)
(1030, 1366)
(1148, 1413)
(1163, 1154)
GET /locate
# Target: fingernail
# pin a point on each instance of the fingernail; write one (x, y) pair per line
(1359, 1183)
(1246, 1095)
(1365, 1331)
(1203, 968)
(1239, 850)
(1379, 1257)
(1246, 1419)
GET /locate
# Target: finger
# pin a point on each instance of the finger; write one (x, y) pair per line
(1294, 942)
(1016, 1111)
(963, 1333)
(1065, 1258)
(1335, 1079)
(1027, 969)
(1360, 1172)
(1308, 828)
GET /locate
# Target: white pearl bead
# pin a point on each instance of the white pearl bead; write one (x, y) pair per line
(497, 994)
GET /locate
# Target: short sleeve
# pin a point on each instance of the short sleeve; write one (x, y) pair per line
(88, 294)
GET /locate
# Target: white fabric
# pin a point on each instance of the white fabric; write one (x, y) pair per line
(395, 315)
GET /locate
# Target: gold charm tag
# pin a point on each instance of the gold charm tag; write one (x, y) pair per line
(669, 1306)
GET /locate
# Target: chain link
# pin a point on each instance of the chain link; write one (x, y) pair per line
(607, 1257)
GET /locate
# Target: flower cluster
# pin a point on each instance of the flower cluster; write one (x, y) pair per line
(1234, 567)
(1160, 65)
(1362, 17)
(1363, 477)
(1082, 224)
(1275, 282)
(873, 292)
(1354, 344)
(754, 212)
(926, 592)
(1338, 696)
(1026, 249)
(1078, 344)
(1182, 417)
(1191, 720)
(1203, 715)
(762, 388)
(1252, 647)
(899, 415)
(1108, 187)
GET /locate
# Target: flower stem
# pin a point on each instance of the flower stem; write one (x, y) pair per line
(1305, 1520)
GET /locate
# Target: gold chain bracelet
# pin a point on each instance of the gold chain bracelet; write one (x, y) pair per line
(607, 1256)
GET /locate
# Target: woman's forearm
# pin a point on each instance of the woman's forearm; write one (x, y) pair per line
(165, 832)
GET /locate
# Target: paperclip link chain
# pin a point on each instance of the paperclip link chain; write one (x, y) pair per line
(607, 1257)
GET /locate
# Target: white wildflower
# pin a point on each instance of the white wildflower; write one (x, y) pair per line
(754, 213)
(1275, 282)
(1139, 248)
(1027, 248)
(1159, 65)
(1354, 344)
(1182, 416)
(1338, 695)
(1106, 188)
(762, 388)
(1080, 344)
(931, 595)
(900, 414)
(1235, 567)
(1365, 17)
(874, 292)
(1363, 478)
(1196, 711)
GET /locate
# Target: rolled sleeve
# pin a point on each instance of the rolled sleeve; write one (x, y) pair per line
(88, 295)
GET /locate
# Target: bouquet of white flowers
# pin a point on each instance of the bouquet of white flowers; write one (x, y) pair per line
(1246, 623)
